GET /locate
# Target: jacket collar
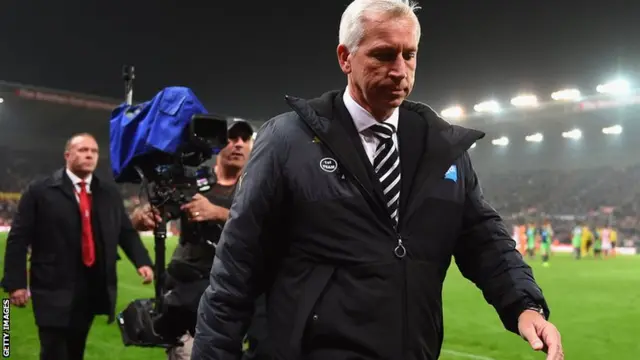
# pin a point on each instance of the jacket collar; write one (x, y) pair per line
(61, 180)
(320, 110)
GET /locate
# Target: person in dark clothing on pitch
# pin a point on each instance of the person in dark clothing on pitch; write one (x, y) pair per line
(202, 220)
(73, 222)
(349, 213)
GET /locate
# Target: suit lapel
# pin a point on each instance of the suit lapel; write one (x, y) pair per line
(342, 140)
(347, 122)
(61, 182)
(411, 140)
(65, 185)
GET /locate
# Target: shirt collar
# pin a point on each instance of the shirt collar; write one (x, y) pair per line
(361, 117)
(76, 180)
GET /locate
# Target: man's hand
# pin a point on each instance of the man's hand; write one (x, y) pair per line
(541, 334)
(145, 218)
(19, 297)
(146, 273)
(200, 209)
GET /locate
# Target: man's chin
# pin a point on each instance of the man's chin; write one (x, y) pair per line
(396, 98)
(396, 101)
(235, 163)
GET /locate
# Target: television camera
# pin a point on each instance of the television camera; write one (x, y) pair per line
(162, 145)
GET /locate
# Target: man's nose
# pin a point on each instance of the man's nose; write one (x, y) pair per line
(398, 69)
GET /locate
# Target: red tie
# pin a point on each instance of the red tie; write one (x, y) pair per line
(88, 247)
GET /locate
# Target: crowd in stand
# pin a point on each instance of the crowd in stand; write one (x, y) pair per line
(595, 193)
(566, 192)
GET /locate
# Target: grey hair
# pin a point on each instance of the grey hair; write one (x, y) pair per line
(352, 22)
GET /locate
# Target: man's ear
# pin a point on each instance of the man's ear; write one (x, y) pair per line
(344, 59)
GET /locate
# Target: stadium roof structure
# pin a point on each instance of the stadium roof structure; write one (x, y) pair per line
(551, 110)
(601, 129)
(616, 93)
(570, 130)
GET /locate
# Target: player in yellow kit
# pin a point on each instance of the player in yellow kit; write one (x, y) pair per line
(587, 240)
(614, 241)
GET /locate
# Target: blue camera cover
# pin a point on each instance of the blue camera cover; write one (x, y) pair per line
(158, 125)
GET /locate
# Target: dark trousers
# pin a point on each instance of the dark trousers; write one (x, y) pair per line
(64, 343)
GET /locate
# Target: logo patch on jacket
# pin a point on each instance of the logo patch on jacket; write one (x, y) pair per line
(452, 173)
(328, 164)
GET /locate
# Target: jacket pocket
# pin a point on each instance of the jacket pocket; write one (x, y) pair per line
(43, 275)
(446, 190)
(361, 309)
(310, 295)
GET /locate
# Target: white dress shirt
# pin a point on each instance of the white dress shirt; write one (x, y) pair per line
(75, 180)
(364, 120)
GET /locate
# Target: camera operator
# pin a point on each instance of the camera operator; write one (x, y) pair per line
(201, 222)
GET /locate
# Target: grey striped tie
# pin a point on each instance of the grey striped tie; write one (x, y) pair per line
(386, 164)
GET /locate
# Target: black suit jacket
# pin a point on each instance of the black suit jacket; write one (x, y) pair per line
(48, 220)
(309, 225)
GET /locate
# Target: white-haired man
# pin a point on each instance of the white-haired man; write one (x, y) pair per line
(349, 226)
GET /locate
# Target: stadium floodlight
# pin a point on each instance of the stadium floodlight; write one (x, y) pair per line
(566, 95)
(525, 101)
(612, 130)
(537, 137)
(490, 106)
(1, 100)
(501, 141)
(453, 112)
(574, 134)
(473, 145)
(616, 87)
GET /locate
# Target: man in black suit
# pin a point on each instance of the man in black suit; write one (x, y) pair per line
(349, 213)
(73, 223)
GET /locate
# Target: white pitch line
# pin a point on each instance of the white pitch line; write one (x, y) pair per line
(466, 355)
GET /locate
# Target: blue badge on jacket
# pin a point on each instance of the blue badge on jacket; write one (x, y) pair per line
(452, 173)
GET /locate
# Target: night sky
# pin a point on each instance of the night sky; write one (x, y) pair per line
(242, 57)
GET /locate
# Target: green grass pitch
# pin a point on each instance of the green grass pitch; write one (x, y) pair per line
(595, 304)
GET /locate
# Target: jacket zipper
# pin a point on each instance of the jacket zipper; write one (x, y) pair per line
(405, 315)
(399, 250)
